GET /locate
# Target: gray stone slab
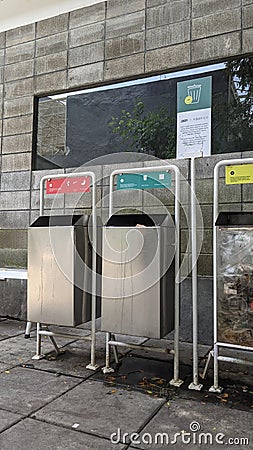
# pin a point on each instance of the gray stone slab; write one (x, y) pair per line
(132, 23)
(14, 200)
(25, 390)
(19, 88)
(17, 144)
(40, 436)
(19, 70)
(87, 34)
(4, 367)
(20, 34)
(18, 125)
(168, 35)
(16, 181)
(18, 107)
(247, 40)
(7, 419)
(52, 44)
(16, 162)
(100, 409)
(84, 16)
(52, 25)
(18, 350)
(86, 54)
(182, 415)
(51, 82)
(205, 7)
(51, 63)
(91, 73)
(216, 47)
(121, 7)
(124, 45)
(216, 24)
(126, 66)
(173, 11)
(14, 219)
(20, 53)
(172, 56)
(12, 328)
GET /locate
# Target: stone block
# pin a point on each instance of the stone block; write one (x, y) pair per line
(52, 44)
(13, 298)
(20, 34)
(17, 144)
(82, 200)
(89, 14)
(14, 219)
(168, 57)
(16, 162)
(52, 25)
(13, 239)
(13, 258)
(216, 24)
(205, 265)
(18, 107)
(247, 41)
(124, 45)
(18, 125)
(174, 11)
(206, 7)
(1, 57)
(2, 39)
(38, 174)
(204, 167)
(51, 63)
(14, 200)
(131, 23)
(87, 34)
(86, 54)
(53, 82)
(20, 53)
(20, 88)
(216, 47)
(247, 2)
(51, 201)
(16, 181)
(124, 67)
(182, 164)
(121, 7)
(152, 3)
(247, 16)
(247, 193)
(91, 73)
(20, 70)
(1, 75)
(168, 35)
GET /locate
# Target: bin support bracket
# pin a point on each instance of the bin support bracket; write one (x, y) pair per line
(176, 383)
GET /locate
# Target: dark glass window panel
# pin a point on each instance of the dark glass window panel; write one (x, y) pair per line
(140, 116)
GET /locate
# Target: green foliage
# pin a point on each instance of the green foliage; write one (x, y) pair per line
(151, 132)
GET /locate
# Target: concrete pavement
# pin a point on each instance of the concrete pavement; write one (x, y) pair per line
(56, 403)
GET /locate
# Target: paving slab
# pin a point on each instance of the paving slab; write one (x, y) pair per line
(7, 419)
(25, 390)
(4, 367)
(72, 361)
(11, 328)
(193, 417)
(43, 436)
(18, 350)
(100, 409)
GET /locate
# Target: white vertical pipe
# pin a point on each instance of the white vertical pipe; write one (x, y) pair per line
(194, 275)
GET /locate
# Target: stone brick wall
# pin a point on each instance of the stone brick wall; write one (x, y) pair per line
(113, 40)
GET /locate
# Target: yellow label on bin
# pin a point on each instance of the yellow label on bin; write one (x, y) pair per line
(241, 174)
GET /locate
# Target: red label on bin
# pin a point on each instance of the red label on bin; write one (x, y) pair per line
(67, 185)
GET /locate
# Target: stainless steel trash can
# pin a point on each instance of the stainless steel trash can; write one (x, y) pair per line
(59, 271)
(235, 277)
(138, 275)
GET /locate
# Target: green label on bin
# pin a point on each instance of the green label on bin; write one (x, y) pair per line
(150, 180)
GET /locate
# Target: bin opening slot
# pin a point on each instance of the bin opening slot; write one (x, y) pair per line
(130, 220)
(235, 218)
(61, 220)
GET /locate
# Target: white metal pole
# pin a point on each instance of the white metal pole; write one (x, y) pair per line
(195, 385)
(175, 381)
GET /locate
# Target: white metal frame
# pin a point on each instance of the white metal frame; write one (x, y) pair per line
(110, 339)
(215, 352)
(92, 337)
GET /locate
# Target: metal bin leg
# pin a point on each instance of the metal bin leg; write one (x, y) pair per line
(28, 329)
(38, 354)
(107, 368)
(215, 388)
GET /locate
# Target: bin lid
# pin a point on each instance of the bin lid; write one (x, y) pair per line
(61, 220)
(131, 220)
(237, 218)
